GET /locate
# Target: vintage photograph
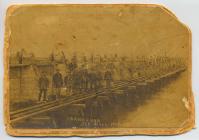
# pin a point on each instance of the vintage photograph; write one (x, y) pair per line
(97, 67)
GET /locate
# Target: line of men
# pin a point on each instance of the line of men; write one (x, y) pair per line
(84, 80)
(74, 82)
(80, 79)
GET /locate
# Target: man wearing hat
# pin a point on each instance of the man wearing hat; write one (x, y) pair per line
(108, 79)
(57, 83)
(43, 86)
(68, 82)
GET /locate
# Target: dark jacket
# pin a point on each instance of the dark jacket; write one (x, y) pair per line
(43, 83)
(108, 76)
(92, 77)
(57, 80)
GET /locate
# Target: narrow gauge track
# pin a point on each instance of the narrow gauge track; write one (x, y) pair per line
(53, 105)
(29, 109)
(49, 106)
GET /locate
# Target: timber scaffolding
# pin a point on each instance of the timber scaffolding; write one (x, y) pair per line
(122, 93)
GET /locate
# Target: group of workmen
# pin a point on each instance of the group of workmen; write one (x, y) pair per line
(87, 80)
(80, 80)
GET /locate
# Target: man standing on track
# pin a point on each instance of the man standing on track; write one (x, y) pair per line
(43, 86)
(57, 83)
(108, 78)
(68, 82)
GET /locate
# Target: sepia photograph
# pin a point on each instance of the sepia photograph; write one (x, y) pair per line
(95, 70)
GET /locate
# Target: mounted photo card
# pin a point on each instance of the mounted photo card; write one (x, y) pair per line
(96, 70)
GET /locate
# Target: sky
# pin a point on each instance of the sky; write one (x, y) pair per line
(125, 30)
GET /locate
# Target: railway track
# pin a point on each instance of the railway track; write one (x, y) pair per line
(56, 101)
(49, 106)
(53, 105)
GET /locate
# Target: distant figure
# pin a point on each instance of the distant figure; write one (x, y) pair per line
(43, 86)
(85, 79)
(57, 83)
(68, 82)
(99, 79)
(108, 78)
(76, 80)
(92, 80)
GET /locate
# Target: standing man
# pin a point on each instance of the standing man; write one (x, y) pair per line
(85, 79)
(93, 80)
(99, 79)
(57, 83)
(108, 78)
(68, 82)
(43, 86)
